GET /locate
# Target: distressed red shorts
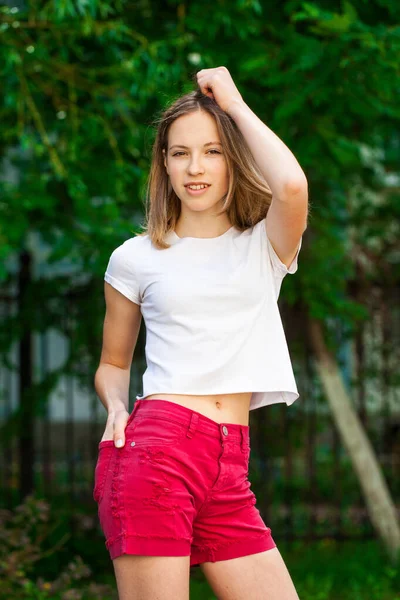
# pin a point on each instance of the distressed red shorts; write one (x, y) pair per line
(178, 487)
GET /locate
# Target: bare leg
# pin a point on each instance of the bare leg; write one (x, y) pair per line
(152, 577)
(261, 576)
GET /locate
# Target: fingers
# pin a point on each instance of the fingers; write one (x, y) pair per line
(120, 421)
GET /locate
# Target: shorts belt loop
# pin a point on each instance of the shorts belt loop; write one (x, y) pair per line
(135, 407)
(193, 425)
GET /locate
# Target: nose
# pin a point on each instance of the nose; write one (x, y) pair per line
(195, 167)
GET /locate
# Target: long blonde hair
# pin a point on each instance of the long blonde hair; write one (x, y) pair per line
(248, 197)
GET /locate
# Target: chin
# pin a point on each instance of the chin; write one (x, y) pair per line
(201, 208)
(198, 205)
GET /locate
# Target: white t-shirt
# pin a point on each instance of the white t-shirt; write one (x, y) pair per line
(210, 309)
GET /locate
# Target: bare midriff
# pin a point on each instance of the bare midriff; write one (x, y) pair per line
(222, 408)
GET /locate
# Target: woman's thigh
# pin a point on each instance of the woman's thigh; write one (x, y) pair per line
(260, 576)
(152, 577)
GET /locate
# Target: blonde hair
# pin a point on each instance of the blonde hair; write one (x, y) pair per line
(248, 197)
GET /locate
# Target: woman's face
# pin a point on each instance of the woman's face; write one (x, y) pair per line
(198, 161)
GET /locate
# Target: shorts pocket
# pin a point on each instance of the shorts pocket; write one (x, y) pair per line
(106, 449)
(153, 431)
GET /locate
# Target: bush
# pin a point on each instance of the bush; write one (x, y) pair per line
(24, 541)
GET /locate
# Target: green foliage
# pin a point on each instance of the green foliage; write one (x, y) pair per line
(329, 570)
(39, 562)
(25, 534)
(82, 81)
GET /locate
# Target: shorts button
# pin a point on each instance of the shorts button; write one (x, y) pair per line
(225, 430)
(132, 443)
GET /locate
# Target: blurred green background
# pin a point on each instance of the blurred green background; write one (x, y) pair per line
(82, 81)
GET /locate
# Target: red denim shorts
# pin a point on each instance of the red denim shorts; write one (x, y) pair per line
(178, 487)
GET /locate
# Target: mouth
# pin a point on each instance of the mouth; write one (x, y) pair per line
(197, 192)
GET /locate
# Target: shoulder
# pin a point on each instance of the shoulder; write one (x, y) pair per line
(123, 270)
(131, 246)
(128, 254)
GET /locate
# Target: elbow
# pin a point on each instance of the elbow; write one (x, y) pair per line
(297, 187)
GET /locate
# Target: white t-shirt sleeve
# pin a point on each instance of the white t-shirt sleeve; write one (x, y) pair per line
(278, 265)
(121, 272)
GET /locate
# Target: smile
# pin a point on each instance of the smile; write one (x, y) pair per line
(197, 192)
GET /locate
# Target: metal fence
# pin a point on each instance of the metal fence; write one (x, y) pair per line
(302, 477)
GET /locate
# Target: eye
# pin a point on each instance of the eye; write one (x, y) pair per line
(178, 153)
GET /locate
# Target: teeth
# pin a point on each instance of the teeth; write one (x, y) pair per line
(197, 187)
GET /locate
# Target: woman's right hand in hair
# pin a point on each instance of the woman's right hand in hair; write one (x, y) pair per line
(115, 427)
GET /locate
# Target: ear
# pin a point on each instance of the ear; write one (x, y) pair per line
(165, 160)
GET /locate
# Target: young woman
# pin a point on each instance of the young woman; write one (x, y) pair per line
(226, 209)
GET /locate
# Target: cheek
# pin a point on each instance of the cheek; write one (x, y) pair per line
(175, 180)
(222, 171)
(173, 172)
(223, 178)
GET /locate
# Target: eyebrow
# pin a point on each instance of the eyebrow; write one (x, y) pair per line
(187, 148)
